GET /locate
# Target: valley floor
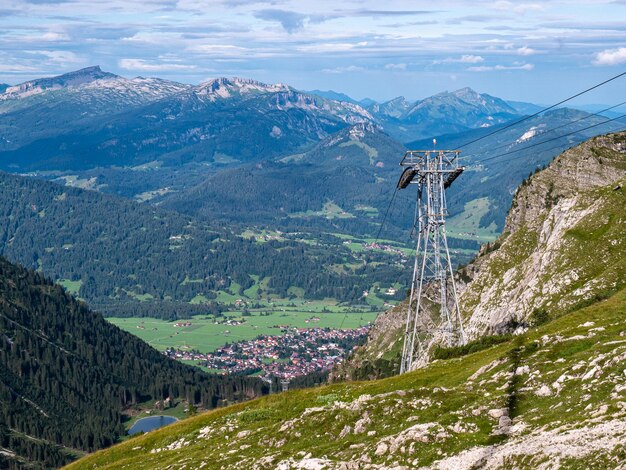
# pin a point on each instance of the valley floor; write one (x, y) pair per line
(554, 397)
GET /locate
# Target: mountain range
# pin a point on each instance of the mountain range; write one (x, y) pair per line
(94, 118)
(447, 112)
(245, 154)
(542, 380)
(91, 118)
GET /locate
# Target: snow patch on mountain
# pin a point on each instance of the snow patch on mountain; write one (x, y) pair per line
(68, 80)
(529, 134)
(228, 87)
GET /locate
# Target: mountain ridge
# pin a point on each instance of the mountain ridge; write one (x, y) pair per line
(128, 122)
(70, 79)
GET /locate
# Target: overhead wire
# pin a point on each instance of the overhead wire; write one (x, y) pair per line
(508, 126)
(526, 118)
(550, 140)
(393, 197)
(579, 141)
(547, 131)
(514, 123)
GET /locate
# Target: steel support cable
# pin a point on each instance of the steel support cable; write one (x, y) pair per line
(385, 216)
(526, 118)
(623, 128)
(550, 140)
(569, 123)
(393, 197)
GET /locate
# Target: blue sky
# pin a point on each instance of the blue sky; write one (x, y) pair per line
(536, 51)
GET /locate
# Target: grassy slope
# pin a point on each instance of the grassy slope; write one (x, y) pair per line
(420, 418)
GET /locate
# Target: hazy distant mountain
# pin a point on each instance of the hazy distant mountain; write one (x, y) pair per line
(395, 108)
(98, 120)
(333, 95)
(90, 90)
(39, 110)
(445, 112)
(72, 79)
(464, 106)
(599, 108)
(524, 108)
(338, 96)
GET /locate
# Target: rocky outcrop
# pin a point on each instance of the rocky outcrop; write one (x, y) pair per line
(564, 245)
(564, 242)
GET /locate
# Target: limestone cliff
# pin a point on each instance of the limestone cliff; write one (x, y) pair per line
(564, 246)
(564, 242)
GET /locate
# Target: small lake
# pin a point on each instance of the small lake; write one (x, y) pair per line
(151, 423)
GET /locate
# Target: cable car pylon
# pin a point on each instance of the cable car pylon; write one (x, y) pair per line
(432, 172)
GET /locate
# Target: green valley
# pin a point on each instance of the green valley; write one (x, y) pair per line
(180, 266)
(519, 403)
(206, 333)
(541, 383)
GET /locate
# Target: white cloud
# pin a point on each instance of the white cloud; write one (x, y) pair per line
(522, 8)
(611, 57)
(490, 68)
(331, 47)
(396, 66)
(471, 59)
(17, 68)
(464, 59)
(52, 36)
(525, 51)
(348, 69)
(145, 66)
(63, 57)
(224, 51)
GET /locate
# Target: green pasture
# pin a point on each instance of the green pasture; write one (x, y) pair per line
(466, 224)
(330, 210)
(207, 333)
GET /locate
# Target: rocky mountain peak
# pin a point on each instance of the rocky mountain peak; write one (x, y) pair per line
(466, 92)
(67, 80)
(593, 164)
(223, 87)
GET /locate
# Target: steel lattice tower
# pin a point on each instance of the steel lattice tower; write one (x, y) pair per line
(432, 171)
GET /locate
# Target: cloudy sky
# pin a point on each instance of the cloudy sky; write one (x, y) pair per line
(533, 51)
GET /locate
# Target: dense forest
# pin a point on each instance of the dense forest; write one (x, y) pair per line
(119, 252)
(66, 374)
(356, 166)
